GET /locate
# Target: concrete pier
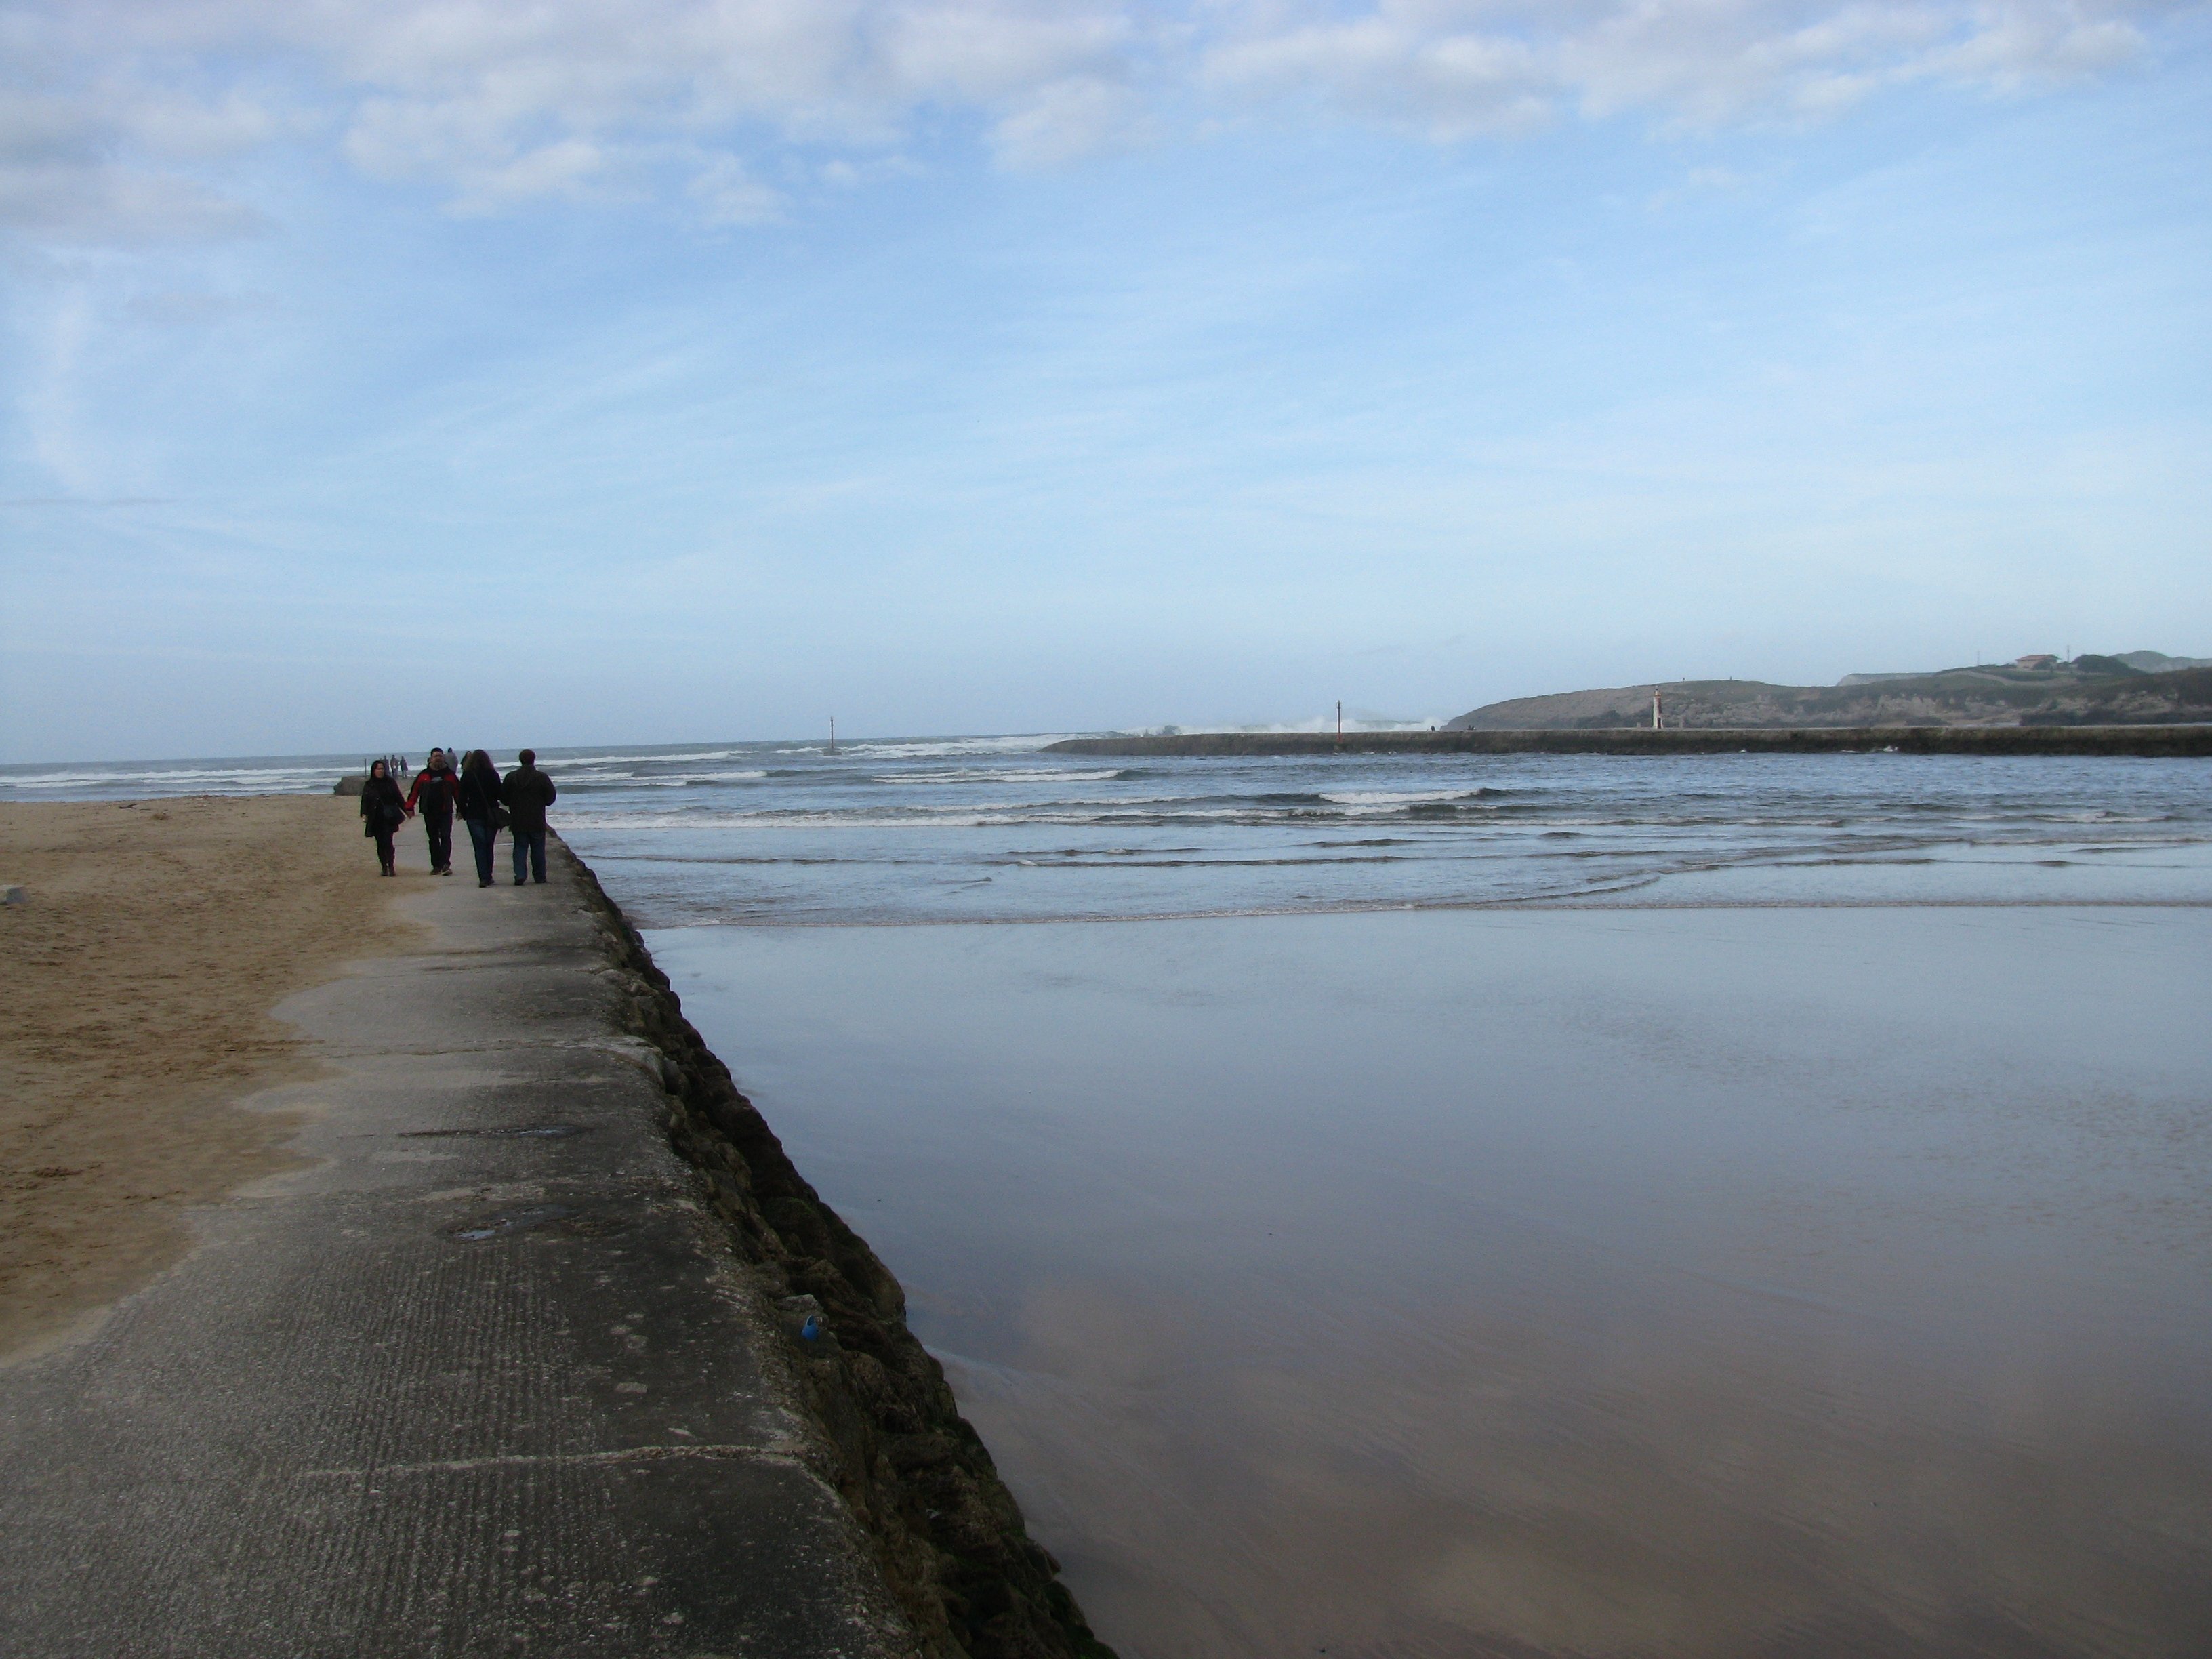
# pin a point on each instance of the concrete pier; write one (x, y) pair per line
(499, 1370)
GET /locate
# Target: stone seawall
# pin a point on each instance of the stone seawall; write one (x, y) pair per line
(2142, 740)
(917, 1478)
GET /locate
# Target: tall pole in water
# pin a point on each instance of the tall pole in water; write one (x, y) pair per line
(833, 734)
(1340, 722)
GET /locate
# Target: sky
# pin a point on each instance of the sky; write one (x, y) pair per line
(688, 369)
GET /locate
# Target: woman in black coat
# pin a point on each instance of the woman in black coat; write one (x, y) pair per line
(480, 809)
(382, 810)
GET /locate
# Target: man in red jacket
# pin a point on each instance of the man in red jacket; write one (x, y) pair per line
(436, 791)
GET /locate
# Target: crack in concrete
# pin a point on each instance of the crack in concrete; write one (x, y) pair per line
(722, 1453)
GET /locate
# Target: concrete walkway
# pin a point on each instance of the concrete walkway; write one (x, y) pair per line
(486, 1378)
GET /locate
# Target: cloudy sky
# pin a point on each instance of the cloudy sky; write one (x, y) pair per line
(682, 370)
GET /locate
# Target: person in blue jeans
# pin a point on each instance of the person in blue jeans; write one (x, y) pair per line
(480, 808)
(436, 790)
(527, 792)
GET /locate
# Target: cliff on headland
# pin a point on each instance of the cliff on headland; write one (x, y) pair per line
(1966, 697)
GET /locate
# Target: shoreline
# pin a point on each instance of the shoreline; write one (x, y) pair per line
(2148, 741)
(1382, 906)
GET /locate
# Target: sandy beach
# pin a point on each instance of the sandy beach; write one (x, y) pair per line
(138, 979)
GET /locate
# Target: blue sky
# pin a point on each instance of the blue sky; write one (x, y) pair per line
(689, 370)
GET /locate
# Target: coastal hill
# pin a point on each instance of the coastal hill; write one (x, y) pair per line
(2037, 691)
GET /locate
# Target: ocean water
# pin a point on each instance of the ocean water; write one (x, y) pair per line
(994, 829)
(1419, 1285)
(1416, 1207)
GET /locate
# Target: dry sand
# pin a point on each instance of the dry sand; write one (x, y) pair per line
(136, 984)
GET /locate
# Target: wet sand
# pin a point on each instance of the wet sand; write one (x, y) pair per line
(137, 982)
(1725, 1283)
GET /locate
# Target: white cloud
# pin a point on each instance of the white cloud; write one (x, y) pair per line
(50, 404)
(1399, 63)
(106, 106)
(60, 177)
(1068, 120)
(727, 194)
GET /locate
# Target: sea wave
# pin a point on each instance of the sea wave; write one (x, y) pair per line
(592, 778)
(1001, 775)
(1393, 798)
(937, 748)
(172, 777)
(672, 757)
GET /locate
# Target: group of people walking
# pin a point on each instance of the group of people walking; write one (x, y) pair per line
(482, 799)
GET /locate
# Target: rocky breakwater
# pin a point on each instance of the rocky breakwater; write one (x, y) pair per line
(914, 1473)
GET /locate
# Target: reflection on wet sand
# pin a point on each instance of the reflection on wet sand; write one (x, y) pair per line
(1443, 1285)
(1525, 1489)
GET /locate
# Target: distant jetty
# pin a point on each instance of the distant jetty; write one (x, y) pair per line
(2150, 740)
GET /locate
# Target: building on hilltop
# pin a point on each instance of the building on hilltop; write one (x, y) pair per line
(2036, 659)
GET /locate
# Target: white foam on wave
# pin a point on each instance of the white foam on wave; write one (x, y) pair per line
(946, 748)
(581, 774)
(964, 815)
(182, 779)
(590, 757)
(993, 774)
(1398, 797)
(963, 818)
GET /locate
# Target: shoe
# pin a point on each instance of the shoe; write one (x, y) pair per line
(446, 871)
(518, 881)
(483, 883)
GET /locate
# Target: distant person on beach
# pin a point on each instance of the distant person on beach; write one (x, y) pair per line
(382, 812)
(527, 792)
(480, 809)
(436, 792)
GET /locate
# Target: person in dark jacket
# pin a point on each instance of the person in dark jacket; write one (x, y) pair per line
(527, 792)
(382, 812)
(436, 793)
(480, 808)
